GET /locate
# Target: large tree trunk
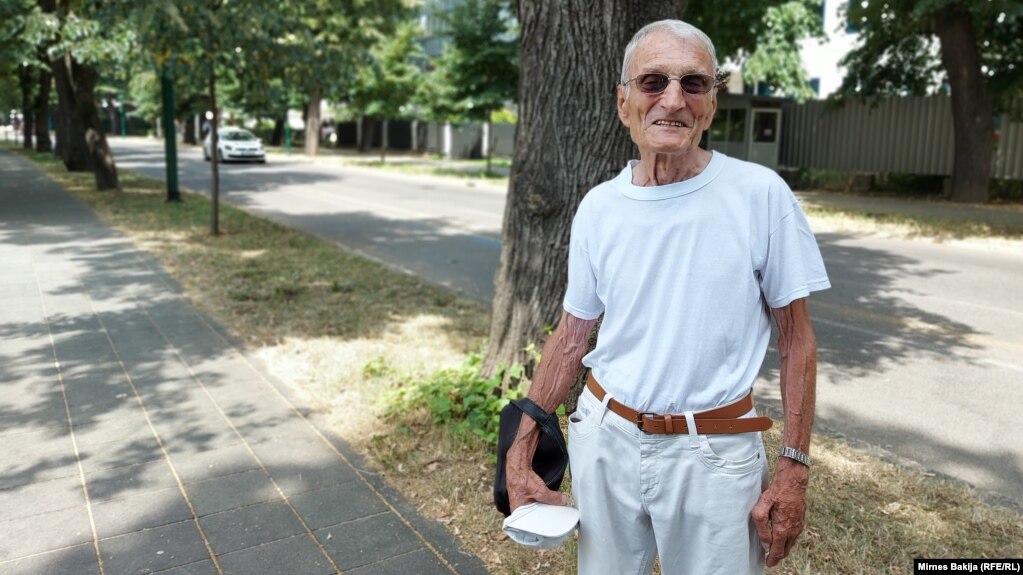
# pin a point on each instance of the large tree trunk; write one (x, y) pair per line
(42, 112)
(569, 139)
(26, 79)
(86, 147)
(277, 137)
(972, 113)
(190, 135)
(312, 123)
(70, 137)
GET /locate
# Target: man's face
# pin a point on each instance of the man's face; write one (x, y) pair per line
(673, 121)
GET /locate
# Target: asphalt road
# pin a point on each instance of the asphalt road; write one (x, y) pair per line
(920, 344)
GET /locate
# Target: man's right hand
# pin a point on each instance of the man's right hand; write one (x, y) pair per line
(524, 485)
(562, 357)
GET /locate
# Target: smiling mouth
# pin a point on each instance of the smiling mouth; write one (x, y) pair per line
(670, 123)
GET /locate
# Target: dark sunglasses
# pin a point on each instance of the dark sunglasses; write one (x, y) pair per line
(655, 83)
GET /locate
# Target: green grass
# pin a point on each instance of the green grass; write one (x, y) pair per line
(349, 334)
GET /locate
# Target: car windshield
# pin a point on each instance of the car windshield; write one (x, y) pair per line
(237, 136)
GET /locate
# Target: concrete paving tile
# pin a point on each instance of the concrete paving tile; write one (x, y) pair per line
(96, 412)
(47, 417)
(367, 541)
(137, 512)
(78, 345)
(22, 310)
(41, 497)
(127, 423)
(16, 273)
(233, 458)
(296, 479)
(231, 491)
(22, 289)
(419, 562)
(298, 554)
(288, 450)
(198, 568)
(87, 382)
(16, 441)
(36, 534)
(120, 453)
(196, 437)
(41, 468)
(44, 447)
(153, 550)
(250, 526)
(337, 504)
(131, 480)
(281, 423)
(77, 560)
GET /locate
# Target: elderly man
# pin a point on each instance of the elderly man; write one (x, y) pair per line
(687, 254)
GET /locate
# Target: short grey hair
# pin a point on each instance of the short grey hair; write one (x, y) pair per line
(679, 29)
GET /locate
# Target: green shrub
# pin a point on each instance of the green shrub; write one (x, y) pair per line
(461, 397)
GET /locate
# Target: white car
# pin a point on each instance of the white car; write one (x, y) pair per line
(234, 144)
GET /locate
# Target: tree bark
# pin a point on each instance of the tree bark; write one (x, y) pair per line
(972, 112)
(312, 123)
(86, 147)
(42, 112)
(70, 138)
(26, 79)
(190, 136)
(277, 137)
(569, 139)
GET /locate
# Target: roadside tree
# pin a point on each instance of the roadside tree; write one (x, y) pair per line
(385, 84)
(480, 64)
(79, 45)
(972, 49)
(322, 44)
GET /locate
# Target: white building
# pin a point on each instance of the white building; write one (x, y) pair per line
(820, 59)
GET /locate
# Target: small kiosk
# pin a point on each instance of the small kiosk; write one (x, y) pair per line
(747, 127)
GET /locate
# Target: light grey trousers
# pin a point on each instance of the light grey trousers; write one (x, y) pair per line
(686, 498)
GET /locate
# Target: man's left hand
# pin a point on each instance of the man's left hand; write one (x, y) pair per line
(778, 515)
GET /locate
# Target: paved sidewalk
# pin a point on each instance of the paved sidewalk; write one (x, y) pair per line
(136, 438)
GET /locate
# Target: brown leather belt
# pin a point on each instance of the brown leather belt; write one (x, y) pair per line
(724, 419)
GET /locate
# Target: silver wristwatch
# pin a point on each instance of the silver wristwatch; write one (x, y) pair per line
(797, 455)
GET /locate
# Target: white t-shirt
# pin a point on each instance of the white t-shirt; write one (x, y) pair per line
(684, 274)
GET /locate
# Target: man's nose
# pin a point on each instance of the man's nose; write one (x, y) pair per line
(673, 97)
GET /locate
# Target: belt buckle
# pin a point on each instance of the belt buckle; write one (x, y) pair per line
(640, 418)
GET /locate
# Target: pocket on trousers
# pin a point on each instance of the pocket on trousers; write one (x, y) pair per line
(732, 453)
(583, 421)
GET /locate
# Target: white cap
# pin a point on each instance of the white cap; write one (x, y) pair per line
(540, 525)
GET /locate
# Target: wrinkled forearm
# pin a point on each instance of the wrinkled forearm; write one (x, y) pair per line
(561, 359)
(798, 349)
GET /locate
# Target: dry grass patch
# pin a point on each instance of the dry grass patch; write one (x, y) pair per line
(346, 333)
(905, 226)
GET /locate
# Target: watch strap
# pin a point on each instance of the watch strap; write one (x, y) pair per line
(795, 454)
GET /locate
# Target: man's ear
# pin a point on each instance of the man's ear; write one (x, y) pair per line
(623, 110)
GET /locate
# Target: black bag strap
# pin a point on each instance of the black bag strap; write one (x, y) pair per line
(548, 422)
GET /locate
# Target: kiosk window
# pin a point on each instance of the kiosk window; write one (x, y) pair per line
(765, 126)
